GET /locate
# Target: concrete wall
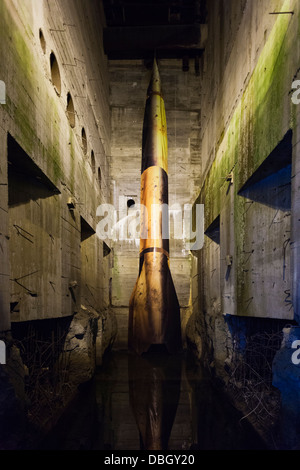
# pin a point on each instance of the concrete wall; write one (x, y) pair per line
(52, 261)
(129, 82)
(248, 269)
(54, 173)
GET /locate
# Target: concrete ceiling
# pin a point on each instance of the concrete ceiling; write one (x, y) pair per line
(136, 29)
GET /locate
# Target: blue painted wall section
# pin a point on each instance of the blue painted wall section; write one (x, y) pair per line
(286, 377)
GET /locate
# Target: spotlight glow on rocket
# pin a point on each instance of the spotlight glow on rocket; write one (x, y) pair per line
(154, 312)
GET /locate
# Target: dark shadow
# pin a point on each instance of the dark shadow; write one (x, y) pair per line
(99, 417)
(213, 231)
(228, 271)
(85, 229)
(270, 184)
(106, 250)
(79, 427)
(41, 341)
(219, 425)
(26, 181)
(154, 391)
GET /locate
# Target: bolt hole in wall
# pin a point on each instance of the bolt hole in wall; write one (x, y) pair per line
(42, 41)
(93, 161)
(84, 141)
(130, 203)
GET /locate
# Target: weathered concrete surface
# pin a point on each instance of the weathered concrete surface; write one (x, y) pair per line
(51, 179)
(13, 401)
(90, 335)
(223, 126)
(249, 184)
(252, 262)
(45, 245)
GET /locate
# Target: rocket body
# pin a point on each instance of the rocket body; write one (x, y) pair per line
(154, 312)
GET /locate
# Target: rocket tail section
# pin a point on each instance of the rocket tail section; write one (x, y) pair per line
(154, 311)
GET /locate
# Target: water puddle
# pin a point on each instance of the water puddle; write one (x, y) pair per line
(156, 402)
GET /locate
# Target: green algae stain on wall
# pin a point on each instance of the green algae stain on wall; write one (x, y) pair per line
(262, 125)
(53, 145)
(21, 77)
(270, 94)
(257, 123)
(224, 164)
(266, 109)
(22, 97)
(261, 119)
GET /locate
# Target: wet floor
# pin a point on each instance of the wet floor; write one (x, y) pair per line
(158, 402)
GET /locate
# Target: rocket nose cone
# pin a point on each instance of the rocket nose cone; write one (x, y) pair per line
(155, 85)
(155, 71)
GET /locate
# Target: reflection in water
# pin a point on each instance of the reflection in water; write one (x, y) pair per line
(157, 401)
(154, 390)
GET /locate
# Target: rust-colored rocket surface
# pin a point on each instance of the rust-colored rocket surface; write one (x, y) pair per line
(154, 392)
(154, 313)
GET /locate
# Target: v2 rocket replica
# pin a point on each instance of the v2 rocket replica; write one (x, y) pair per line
(154, 312)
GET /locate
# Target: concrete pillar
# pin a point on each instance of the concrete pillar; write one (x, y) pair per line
(4, 264)
(295, 223)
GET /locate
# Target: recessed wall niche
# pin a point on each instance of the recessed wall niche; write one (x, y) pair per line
(34, 232)
(266, 203)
